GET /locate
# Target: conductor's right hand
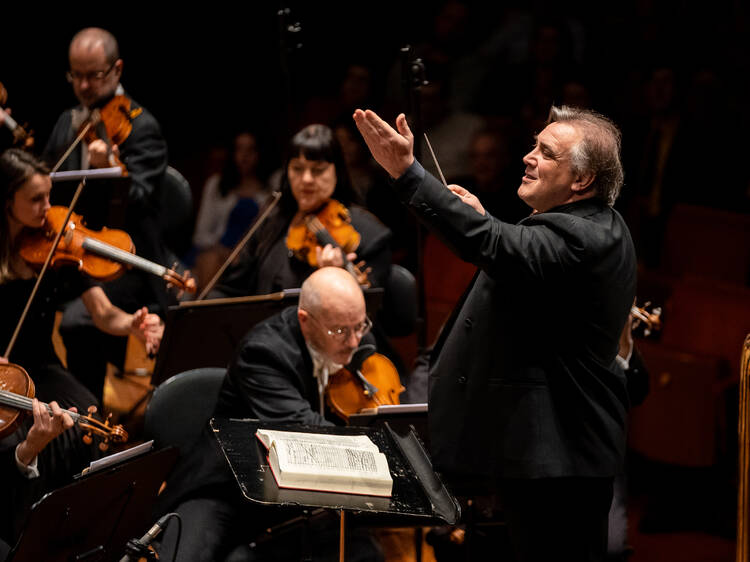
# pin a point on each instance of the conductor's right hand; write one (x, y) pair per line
(392, 149)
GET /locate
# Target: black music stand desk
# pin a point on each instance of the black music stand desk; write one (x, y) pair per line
(92, 519)
(418, 497)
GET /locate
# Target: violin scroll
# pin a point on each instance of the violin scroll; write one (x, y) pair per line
(20, 137)
(104, 430)
(649, 319)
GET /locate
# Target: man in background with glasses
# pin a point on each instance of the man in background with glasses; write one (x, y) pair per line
(94, 73)
(279, 373)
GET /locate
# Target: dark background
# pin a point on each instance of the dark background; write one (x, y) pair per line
(207, 72)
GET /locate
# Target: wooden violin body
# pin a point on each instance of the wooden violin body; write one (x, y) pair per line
(330, 225)
(100, 254)
(16, 380)
(112, 123)
(347, 394)
(72, 249)
(334, 218)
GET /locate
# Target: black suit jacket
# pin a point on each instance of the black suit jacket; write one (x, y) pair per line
(144, 153)
(269, 378)
(522, 381)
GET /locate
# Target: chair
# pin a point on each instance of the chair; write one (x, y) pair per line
(175, 211)
(181, 406)
(399, 314)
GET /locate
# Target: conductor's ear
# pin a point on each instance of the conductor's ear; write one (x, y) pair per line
(582, 182)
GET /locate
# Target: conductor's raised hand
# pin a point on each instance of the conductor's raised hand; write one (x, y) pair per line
(392, 149)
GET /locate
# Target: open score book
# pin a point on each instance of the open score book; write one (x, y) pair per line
(350, 464)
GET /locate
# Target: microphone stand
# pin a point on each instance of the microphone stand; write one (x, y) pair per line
(412, 80)
(290, 42)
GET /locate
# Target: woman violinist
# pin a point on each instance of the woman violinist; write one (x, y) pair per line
(24, 188)
(314, 175)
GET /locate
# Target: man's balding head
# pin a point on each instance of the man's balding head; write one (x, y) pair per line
(330, 300)
(90, 38)
(95, 65)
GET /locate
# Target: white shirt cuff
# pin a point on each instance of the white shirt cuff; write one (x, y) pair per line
(30, 470)
(624, 363)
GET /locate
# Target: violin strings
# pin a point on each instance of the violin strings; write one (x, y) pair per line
(24, 403)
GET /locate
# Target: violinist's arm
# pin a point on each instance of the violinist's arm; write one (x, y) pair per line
(46, 427)
(100, 154)
(108, 318)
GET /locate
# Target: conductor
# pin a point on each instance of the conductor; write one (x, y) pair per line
(523, 387)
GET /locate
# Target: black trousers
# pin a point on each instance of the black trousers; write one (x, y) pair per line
(557, 518)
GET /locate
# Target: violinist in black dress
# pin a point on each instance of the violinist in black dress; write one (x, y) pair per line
(25, 187)
(315, 174)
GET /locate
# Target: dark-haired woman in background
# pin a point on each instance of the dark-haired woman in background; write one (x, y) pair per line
(314, 173)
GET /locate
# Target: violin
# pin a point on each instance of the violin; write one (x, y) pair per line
(16, 394)
(20, 137)
(99, 254)
(649, 319)
(374, 383)
(332, 225)
(112, 123)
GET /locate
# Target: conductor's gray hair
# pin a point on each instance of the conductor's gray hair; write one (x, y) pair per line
(598, 151)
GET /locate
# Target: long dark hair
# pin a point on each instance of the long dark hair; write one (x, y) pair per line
(16, 168)
(314, 142)
(230, 175)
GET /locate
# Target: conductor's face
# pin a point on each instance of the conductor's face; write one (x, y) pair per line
(549, 180)
(92, 76)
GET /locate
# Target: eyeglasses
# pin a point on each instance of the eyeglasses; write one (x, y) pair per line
(73, 76)
(342, 334)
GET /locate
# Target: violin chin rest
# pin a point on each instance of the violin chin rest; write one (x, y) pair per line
(359, 356)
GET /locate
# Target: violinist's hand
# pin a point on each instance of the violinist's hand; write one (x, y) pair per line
(3, 361)
(330, 256)
(148, 328)
(467, 197)
(46, 427)
(99, 154)
(625, 349)
(190, 283)
(392, 149)
(3, 113)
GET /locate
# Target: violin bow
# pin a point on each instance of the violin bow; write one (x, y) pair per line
(324, 237)
(39, 278)
(93, 119)
(276, 195)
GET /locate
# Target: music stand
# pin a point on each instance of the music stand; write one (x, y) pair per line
(104, 202)
(93, 518)
(400, 417)
(207, 333)
(418, 496)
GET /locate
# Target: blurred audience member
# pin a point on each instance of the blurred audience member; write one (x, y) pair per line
(492, 178)
(229, 204)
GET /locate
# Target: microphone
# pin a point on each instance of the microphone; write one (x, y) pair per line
(137, 548)
(93, 173)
